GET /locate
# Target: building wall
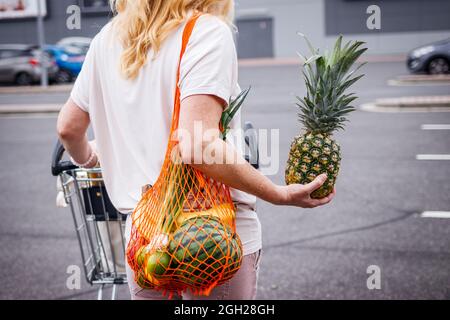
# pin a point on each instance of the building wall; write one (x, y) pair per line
(289, 17)
(24, 30)
(320, 20)
(405, 24)
(349, 16)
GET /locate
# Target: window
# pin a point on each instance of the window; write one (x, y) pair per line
(255, 37)
(8, 54)
(95, 5)
(18, 9)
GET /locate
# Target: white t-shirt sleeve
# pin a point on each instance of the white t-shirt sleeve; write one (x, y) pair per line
(209, 65)
(80, 90)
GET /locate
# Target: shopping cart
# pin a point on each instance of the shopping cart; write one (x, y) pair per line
(99, 226)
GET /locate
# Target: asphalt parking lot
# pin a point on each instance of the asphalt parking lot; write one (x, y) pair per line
(383, 188)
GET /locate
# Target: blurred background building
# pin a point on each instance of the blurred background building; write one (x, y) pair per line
(267, 28)
(405, 24)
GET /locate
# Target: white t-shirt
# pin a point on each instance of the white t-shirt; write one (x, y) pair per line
(131, 119)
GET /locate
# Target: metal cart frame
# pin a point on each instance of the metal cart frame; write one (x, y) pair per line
(100, 228)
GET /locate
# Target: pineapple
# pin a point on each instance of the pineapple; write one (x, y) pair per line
(323, 111)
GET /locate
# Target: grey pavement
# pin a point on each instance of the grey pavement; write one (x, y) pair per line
(322, 253)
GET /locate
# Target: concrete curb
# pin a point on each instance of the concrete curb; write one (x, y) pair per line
(409, 104)
(372, 107)
(268, 62)
(415, 102)
(424, 77)
(27, 108)
(401, 104)
(36, 89)
(420, 79)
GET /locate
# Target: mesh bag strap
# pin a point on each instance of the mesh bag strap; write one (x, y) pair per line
(185, 40)
(183, 232)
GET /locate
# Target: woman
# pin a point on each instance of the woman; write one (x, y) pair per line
(126, 91)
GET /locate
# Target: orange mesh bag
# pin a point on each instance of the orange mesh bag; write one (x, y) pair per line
(183, 230)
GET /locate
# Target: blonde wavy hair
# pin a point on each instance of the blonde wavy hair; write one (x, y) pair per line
(144, 24)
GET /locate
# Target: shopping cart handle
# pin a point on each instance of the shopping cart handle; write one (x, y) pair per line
(251, 140)
(252, 155)
(59, 166)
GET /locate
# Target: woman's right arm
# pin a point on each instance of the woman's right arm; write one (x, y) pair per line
(200, 114)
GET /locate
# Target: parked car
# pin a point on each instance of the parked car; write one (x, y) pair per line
(69, 61)
(21, 64)
(433, 58)
(79, 44)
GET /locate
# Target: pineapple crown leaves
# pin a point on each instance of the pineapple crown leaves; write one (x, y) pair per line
(229, 113)
(327, 77)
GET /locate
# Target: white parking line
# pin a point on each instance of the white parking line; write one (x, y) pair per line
(435, 127)
(436, 214)
(433, 157)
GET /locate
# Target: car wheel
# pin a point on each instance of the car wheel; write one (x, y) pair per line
(63, 77)
(438, 66)
(24, 79)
